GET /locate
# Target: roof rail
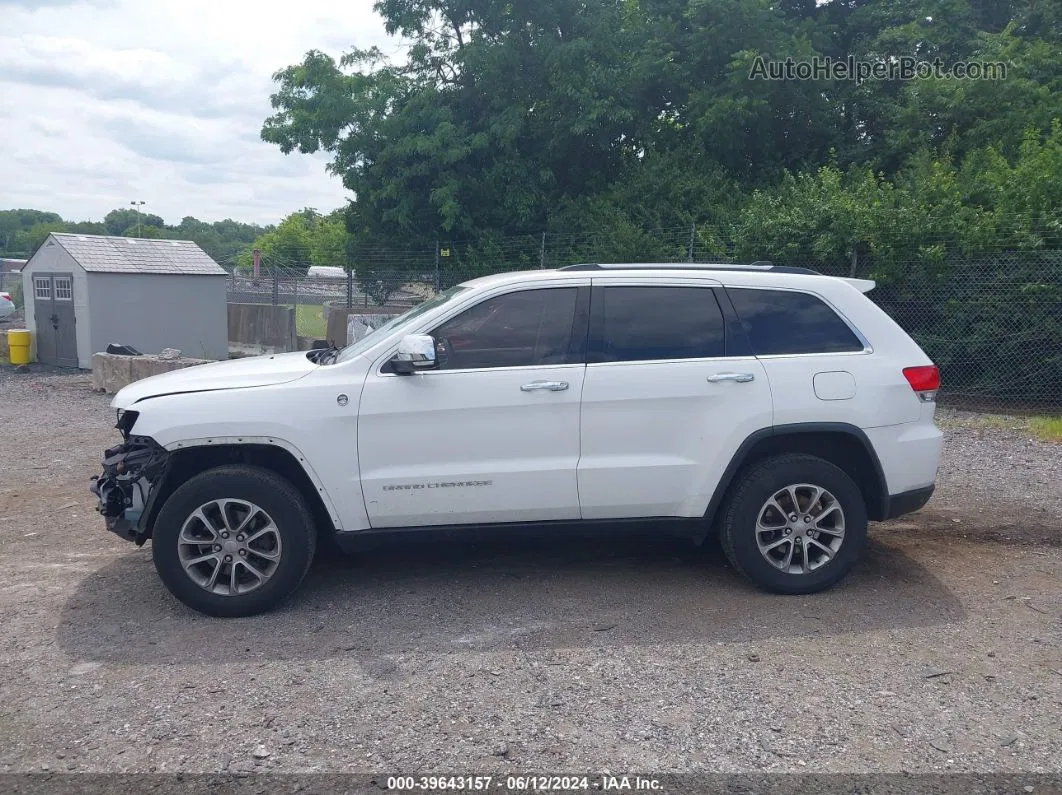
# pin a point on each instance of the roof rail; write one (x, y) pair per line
(762, 265)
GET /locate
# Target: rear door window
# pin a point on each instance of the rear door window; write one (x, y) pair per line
(786, 322)
(656, 323)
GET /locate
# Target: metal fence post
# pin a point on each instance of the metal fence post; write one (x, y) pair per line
(350, 289)
(438, 280)
(693, 238)
(542, 253)
(276, 287)
(855, 260)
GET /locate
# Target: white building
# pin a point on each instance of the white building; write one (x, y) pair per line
(83, 292)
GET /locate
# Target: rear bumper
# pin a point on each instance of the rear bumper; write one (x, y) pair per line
(907, 502)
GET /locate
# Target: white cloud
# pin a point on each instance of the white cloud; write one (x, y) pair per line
(105, 101)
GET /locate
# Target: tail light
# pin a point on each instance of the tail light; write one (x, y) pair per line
(925, 381)
(6, 296)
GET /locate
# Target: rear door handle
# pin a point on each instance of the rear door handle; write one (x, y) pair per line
(552, 386)
(741, 378)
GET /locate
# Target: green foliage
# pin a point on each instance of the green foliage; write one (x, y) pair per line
(146, 231)
(118, 222)
(14, 223)
(23, 231)
(302, 239)
(505, 116)
(31, 239)
(602, 121)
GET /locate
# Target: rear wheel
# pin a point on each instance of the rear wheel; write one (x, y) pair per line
(794, 524)
(233, 541)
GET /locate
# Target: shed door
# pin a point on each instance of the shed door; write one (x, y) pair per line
(53, 307)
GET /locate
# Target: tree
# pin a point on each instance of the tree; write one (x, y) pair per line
(288, 247)
(507, 109)
(145, 231)
(329, 240)
(23, 231)
(118, 221)
(14, 223)
(29, 240)
(503, 114)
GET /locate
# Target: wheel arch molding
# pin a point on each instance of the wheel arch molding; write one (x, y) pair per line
(842, 444)
(189, 457)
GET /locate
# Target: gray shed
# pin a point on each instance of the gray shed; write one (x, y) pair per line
(85, 291)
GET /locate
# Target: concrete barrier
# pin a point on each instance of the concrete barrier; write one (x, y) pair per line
(261, 328)
(111, 372)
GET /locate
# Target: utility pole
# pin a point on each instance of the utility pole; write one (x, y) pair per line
(138, 205)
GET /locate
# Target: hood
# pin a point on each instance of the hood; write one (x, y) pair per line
(278, 368)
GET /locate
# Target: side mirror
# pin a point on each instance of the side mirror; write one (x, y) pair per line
(415, 352)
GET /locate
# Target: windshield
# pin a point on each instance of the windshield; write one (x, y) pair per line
(370, 339)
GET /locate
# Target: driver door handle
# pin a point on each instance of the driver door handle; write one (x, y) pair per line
(741, 378)
(552, 386)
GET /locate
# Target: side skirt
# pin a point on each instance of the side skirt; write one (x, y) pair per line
(694, 529)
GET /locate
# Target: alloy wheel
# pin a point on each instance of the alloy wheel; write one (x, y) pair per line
(800, 528)
(229, 547)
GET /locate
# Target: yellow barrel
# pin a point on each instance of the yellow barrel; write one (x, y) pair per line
(18, 344)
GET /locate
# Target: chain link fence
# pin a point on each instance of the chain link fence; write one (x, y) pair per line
(992, 322)
(11, 283)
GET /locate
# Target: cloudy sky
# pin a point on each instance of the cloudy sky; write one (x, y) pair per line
(106, 101)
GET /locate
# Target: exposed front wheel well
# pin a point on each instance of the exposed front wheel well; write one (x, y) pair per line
(842, 448)
(188, 462)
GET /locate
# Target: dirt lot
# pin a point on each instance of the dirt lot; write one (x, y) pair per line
(941, 652)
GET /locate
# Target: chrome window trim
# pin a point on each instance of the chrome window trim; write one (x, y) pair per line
(514, 368)
(687, 360)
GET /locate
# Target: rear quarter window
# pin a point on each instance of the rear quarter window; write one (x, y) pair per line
(780, 322)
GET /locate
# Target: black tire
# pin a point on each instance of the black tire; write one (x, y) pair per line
(751, 493)
(267, 490)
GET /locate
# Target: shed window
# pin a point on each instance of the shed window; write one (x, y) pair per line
(42, 288)
(63, 290)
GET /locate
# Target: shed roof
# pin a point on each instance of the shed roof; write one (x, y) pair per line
(104, 254)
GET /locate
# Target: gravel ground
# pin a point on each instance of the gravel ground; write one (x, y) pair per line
(942, 652)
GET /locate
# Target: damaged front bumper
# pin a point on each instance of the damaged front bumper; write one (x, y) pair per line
(131, 471)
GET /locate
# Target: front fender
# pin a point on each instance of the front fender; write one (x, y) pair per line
(275, 441)
(302, 417)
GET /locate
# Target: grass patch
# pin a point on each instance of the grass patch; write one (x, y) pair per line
(310, 321)
(1049, 428)
(1046, 428)
(950, 419)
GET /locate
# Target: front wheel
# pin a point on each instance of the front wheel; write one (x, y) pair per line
(794, 524)
(233, 541)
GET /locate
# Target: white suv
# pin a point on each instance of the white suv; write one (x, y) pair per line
(776, 407)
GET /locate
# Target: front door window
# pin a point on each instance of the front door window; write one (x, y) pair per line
(529, 328)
